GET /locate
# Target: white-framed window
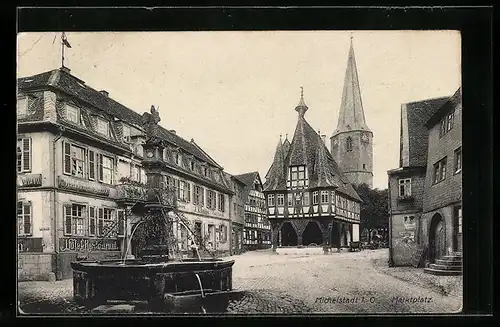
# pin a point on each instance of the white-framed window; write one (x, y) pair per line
(440, 170)
(74, 160)
(24, 154)
(91, 160)
(180, 190)
(306, 199)
(24, 218)
(270, 200)
(405, 187)
(75, 219)
(289, 198)
(102, 127)
(297, 176)
(105, 220)
(199, 195)
(73, 114)
(211, 201)
(315, 197)
(280, 200)
(324, 196)
(22, 106)
(105, 169)
(222, 202)
(458, 160)
(446, 124)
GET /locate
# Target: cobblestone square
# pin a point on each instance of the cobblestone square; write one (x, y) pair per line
(345, 282)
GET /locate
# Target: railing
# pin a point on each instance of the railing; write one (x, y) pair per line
(127, 191)
(29, 180)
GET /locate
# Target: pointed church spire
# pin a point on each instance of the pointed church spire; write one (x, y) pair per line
(351, 115)
(301, 108)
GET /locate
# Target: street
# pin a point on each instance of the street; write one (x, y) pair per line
(346, 282)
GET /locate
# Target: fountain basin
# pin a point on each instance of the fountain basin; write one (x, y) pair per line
(96, 282)
(212, 301)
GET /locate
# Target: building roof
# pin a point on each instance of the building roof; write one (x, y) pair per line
(248, 178)
(351, 115)
(63, 81)
(307, 148)
(417, 114)
(447, 107)
(286, 145)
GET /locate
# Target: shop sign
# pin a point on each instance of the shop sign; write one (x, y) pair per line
(70, 244)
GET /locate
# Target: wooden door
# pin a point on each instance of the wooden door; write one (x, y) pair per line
(439, 241)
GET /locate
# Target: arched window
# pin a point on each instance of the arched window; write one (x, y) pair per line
(348, 144)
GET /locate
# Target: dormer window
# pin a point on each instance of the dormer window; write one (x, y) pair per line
(298, 177)
(205, 171)
(22, 106)
(73, 114)
(102, 127)
(191, 164)
(126, 133)
(178, 159)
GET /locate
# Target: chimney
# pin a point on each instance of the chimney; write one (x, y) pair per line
(65, 69)
(173, 131)
(323, 138)
(104, 92)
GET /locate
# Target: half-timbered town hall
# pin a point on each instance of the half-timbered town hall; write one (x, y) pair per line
(309, 200)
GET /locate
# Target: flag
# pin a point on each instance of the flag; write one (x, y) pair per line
(65, 40)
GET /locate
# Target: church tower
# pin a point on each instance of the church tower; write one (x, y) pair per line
(351, 142)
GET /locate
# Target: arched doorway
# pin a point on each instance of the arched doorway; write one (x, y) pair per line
(312, 234)
(288, 235)
(437, 238)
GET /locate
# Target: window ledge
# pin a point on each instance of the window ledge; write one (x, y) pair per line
(458, 171)
(407, 198)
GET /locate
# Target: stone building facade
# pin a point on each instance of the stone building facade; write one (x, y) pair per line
(425, 211)
(79, 157)
(237, 214)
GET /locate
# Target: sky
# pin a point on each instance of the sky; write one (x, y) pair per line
(235, 92)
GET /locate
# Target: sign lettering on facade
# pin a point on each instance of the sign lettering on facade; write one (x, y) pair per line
(69, 244)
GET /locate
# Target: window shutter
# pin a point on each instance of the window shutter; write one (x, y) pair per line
(92, 224)
(27, 154)
(100, 221)
(28, 226)
(100, 173)
(67, 157)
(188, 191)
(91, 165)
(67, 219)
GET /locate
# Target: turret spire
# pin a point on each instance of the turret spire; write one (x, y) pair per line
(351, 116)
(301, 108)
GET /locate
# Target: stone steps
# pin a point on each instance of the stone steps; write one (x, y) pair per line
(448, 265)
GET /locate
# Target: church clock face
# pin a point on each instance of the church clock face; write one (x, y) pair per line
(364, 138)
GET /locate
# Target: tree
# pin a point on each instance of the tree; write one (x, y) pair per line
(375, 208)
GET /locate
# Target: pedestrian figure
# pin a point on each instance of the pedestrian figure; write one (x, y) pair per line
(194, 248)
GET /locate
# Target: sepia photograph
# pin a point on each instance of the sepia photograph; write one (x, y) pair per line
(239, 172)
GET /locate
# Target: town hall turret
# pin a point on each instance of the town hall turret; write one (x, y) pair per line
(351, 142)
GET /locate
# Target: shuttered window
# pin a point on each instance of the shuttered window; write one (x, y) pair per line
(91, 165)
(24, 218)
(121, 223)
(67, 219)
(92, 221)
(100, 222)
(74, 160)
(105, 169)
(24, 155)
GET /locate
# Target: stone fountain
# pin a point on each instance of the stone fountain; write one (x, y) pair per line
(168, 283)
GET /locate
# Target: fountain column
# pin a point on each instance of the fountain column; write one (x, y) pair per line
(159, 200)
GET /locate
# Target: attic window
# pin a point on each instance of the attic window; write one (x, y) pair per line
(22, 106)
(192, 165)
(73, 114)
(178, 159)
(126, 133)
(102, 127)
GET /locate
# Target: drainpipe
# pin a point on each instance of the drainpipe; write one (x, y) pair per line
(54, 203)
